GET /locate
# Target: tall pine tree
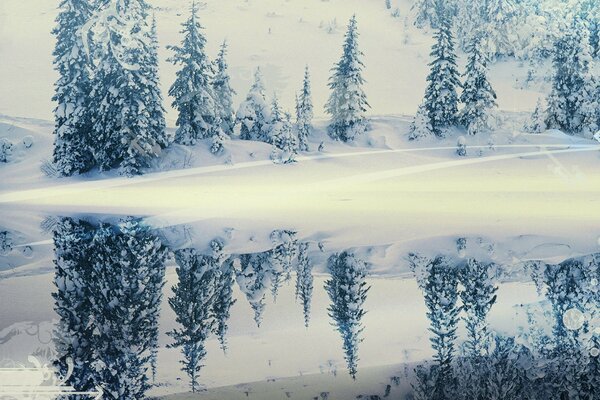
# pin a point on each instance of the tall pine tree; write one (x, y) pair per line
(193, 301)
(253, 114)
(304, 112)
(223, 91)
(573, 104)
(347, 102)
(127, 131)
(478, 96)
(441, 100)
(192, 91)
(347, 290)
(304, 281)
(72, 142)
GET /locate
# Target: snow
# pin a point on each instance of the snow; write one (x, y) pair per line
(515, 197)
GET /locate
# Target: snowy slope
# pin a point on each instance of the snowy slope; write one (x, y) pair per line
(396, 53)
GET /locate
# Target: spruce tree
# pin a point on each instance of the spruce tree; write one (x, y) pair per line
(254, 275)
(421, 125)
(573, 104)
(304, 281)
(72, 141)
(73, 336)
(193, 303)
(347, 102)
(478, 296)
(127, 131)
(223, 302)
(304, 112)
(223, 91)
(253, 114)
(478, 96)
(125, 295)
(193, 94)
(440, 95)
(537, 122)
(441, 295)
(347, 290)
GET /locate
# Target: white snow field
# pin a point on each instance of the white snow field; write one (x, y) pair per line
(516, 196)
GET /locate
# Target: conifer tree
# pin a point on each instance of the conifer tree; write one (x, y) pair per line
(223, 91)
(253, 275)
(421, 125)
(478, 296)
(192, 92)
(304, 281)
(223, 302)
(537, 122)
(304, 112)
(440, 95)
(478, 96)
(72, 141)
(573, 105)
(193, 303)
(441, 295)
(347, 290)
(73, 337)
(125, 295)
(127, 131)
(347, 102)
(253, 114)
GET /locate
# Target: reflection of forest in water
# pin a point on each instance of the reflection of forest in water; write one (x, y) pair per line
(109, 282)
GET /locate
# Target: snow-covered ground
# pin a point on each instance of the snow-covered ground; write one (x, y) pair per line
(515, 196)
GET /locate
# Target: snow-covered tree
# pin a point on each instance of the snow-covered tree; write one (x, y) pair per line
(223, 302)
(499, 22)
(253, 114)
(478, 96)
(126, 131)
(421, 125)
(573, 104)
(478, 296)
(192, 91)
(6, 150)
(73, 336)
(193, 302)
(253, 276)
(347, 102)
(223, 91)
(441, 295)
(441, 100)
(128, 264)
(304, 112)
(72, 141)
(304, 281)
(537, 122)
(461, 146)
(284, 139)
(426, 13)
(347, 290)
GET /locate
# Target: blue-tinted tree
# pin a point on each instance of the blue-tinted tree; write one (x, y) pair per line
(441, 295)
(253, 275)
(573, 104)
(478, 97)
(253, 114)
(304, 281)
(223, 91)
(347, 290)
(304, 112)
(73, 336)
(125, 126)
(193, 93)
(193, 302)
(347, 102)
(441, 100)
(128, 266)
(72, 140)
